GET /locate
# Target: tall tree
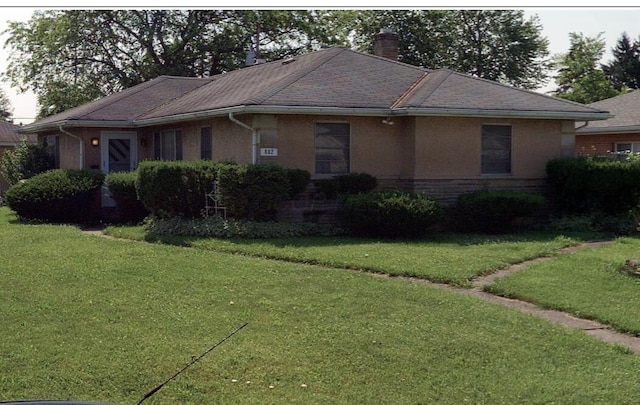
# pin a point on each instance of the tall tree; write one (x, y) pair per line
(499, 45)
(624, 70)
(579, 78)
(6, 111)
(69, 57)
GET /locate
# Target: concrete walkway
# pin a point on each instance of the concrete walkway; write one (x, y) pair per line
(593, 328)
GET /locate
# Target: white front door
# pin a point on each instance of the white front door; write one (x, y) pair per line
(118, 153)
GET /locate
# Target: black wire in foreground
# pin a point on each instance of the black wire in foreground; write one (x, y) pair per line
(192, 362)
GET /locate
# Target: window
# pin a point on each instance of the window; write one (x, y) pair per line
(332, 145)
(496, 149)
(206, 151)
(167, 145)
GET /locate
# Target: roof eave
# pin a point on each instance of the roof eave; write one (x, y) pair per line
(51, 126)
(608, 130)
(465, 112)
(258, 109)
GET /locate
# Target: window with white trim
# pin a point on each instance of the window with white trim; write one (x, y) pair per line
(167, 145)
(496, 149)
(332, 148)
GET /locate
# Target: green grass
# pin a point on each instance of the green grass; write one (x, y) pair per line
(89, 318)
(453, 259)
(588, 284)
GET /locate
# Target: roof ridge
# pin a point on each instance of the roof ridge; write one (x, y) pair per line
(295, 75)
(417, 84)
(208, 80)
(118, 96)
(525, 90)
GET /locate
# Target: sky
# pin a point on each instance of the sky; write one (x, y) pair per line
(557, 23)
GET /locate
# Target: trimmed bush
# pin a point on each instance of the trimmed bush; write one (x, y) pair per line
(175, 189)
(494, 211)
(346, 184)
(122, 186)
(253, 192)
(390, 214)
(60, 195)
(298, 181)
(590, 185)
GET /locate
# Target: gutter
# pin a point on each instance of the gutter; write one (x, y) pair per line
(64, 131)
(254, 137)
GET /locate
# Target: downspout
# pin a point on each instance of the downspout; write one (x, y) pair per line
(254, 137)
(583, 125)
(64, 131)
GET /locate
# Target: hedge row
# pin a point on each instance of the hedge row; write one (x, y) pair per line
(587, 185)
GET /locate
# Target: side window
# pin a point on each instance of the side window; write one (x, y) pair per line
(496, 149)
(206, 148)
(332, 148)
(167, 145)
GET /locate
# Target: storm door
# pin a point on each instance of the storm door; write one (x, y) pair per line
(118, 153)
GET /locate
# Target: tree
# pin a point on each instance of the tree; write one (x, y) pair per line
(498, 45)
(6, 111)
(69, 57)
(24, 161)
(624, 70)
(579, 78)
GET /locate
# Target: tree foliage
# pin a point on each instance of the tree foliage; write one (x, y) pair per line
(24, 161)
(6, 111)
(624, 70)
(69, 57)
(579, 77)
(499, 45)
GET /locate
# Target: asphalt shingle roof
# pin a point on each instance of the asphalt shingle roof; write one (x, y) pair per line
(9, 134)
(336, 78)
(625, 110)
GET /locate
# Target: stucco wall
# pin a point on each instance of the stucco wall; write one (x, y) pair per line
(448, 147)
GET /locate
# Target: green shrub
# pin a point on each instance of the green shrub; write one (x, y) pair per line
(390, 214)
(589, 185)
(346, 184)
(298, 181)
(253, 192)
(218, 227)
(175, 189)
(122, 186)
(25, 161)
(494, 211)
(68, 196)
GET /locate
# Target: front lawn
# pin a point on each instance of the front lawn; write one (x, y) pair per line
(89, 318)
(453, 259)
(588, 284)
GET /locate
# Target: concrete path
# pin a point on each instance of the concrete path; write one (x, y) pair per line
(593, 328)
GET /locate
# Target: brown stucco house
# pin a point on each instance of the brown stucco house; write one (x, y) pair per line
(9, 139)
(330, 112)
(619, 134)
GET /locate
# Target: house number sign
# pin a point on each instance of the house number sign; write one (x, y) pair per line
(269, 152)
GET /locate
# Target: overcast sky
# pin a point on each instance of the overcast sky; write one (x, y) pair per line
(557, 23)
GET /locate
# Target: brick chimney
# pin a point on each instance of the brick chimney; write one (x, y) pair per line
(385, 44)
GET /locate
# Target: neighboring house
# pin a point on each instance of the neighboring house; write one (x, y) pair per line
(331, 112)
(618, 134)
(9, 139)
